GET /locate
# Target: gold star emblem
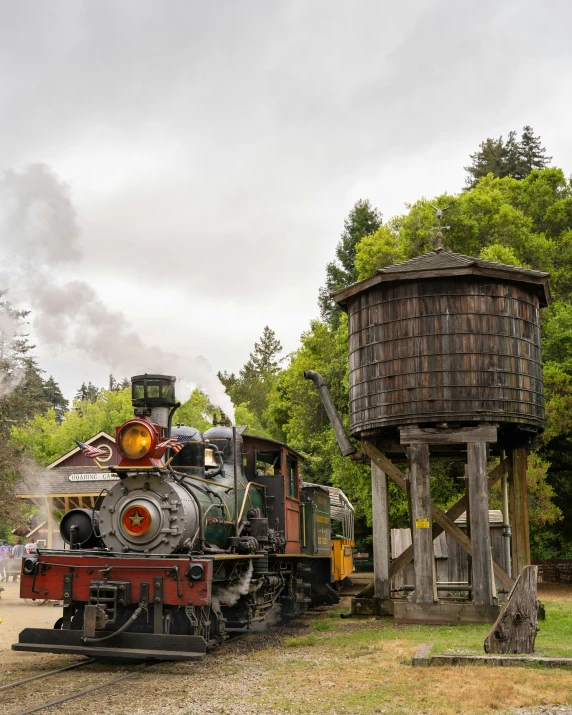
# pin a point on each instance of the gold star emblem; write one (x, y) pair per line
(136, 519)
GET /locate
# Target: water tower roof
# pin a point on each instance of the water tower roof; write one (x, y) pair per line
(441, 263)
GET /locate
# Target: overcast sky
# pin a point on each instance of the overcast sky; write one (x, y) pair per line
(213, 149)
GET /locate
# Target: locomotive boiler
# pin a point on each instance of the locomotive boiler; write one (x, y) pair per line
(200, 537)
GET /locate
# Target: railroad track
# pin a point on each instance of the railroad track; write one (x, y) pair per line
(86, 691)
(77, 694)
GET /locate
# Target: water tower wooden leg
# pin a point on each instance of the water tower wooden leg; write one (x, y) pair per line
(421, 523)
(380, 518)
(519, 509)
(482, 569)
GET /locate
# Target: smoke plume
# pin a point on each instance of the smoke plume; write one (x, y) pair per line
(40, 239)
(229, 595)
(34, 479)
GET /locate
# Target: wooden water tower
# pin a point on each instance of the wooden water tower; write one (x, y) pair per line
(445, 363)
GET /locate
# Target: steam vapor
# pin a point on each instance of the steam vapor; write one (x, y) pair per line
(39, 234)
(229, 595)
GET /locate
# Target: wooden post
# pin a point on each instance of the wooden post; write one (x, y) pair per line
(468, 520)
(380, 518)
(519, 508)
(453, 513)
(421, 523)
(444, 520)
(515, 629)
(479, 518)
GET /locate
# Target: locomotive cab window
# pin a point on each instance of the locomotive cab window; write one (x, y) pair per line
(153, 390)
(138, 391)
(292, 476)
(268, 464)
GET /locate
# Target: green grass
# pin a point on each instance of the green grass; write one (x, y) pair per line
(360, 666)
(322, 626)
(301, 641)
(554, 638)
(555, 635)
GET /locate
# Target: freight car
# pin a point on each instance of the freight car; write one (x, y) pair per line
(201, 537)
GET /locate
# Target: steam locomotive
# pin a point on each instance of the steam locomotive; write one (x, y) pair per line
(201, 537)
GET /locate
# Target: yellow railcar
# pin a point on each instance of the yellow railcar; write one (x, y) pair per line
(342, 547)
(340, 529)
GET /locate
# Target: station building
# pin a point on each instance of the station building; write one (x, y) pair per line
(72, 481)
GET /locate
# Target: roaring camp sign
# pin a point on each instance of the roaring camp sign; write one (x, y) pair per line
(92, 477)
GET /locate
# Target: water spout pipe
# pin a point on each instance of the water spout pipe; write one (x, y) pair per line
(344, 443)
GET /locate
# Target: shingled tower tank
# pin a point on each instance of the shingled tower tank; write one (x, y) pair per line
(446, 338)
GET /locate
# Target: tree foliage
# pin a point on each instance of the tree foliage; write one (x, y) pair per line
(87, 393)
(197, 411)
(514, 221)
(511, 158)
(362, 221)
(250, 390)
(45, 438)
(23, 393)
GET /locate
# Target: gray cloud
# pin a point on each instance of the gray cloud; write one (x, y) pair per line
(213, 150)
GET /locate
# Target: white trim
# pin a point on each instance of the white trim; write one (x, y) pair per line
(77, 449)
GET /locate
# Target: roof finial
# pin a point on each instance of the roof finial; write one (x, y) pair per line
(439, 228)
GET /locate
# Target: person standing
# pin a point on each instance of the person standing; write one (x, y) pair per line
(18, 552)
(31, 546)
(5, 553)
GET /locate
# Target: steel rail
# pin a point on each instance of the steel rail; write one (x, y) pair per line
(86, 691)
(45, 675)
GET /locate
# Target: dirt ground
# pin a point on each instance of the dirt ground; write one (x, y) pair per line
(321, 664)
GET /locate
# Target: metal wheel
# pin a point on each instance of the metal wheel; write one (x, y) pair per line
(35, 601)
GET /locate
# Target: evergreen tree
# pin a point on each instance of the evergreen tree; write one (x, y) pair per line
(490, 159)
(264, 357)
(363, 220)
(23, 394)
(53, 396)
(118, 385)
(510, 158)
(87, 393)
(257, 377)
(532, 153)
(228, 379)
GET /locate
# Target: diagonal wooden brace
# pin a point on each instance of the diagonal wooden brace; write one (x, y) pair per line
(442, 521)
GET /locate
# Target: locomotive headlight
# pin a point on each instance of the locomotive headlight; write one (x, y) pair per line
(30, 565)
(135, 440)
(196, 572)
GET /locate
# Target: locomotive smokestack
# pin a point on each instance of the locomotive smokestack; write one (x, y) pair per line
(344, 443)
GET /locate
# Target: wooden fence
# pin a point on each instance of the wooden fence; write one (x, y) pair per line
(554, 571)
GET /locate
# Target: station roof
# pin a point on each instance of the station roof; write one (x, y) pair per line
(442, 263)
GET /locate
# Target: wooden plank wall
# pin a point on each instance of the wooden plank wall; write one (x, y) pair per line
(451, 561)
